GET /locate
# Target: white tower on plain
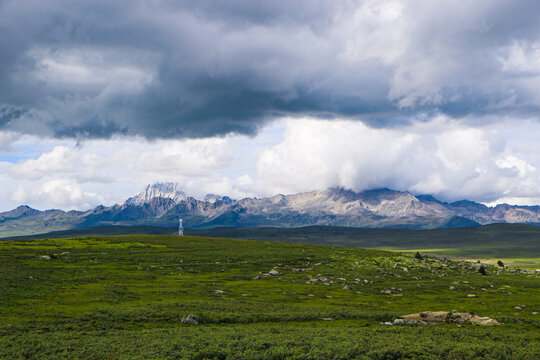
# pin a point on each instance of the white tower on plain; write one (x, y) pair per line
(180, 227)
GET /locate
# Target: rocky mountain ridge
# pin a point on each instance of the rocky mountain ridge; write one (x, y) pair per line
(167, 190)
(163, 203)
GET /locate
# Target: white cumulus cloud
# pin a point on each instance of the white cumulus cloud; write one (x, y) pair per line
(444, 158)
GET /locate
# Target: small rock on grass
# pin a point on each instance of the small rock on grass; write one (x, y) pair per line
(409, 322)
(191, 319)
(274, 272)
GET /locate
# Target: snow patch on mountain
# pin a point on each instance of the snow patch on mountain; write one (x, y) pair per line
(166, 190)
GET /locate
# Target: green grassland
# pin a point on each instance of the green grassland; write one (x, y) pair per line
(517, 244)
(123, 297)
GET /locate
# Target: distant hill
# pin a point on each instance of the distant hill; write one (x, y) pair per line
(162, 204)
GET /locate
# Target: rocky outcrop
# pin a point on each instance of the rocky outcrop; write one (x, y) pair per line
(435, 317)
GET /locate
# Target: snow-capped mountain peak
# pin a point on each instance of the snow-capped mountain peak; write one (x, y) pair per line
(166, 190)
(163, 203)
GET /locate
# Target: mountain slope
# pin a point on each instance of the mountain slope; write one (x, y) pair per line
(168, 190)
(162, 204)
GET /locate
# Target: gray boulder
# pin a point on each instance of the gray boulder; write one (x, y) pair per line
(191, 319)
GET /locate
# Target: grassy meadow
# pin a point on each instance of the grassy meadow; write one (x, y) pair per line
(123, 297)
(517, 244)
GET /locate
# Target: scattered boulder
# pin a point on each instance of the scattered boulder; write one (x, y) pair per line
(191, 319)
(472, 295)
(45, 257)
(219, 292)
(409, 322)
(450, 317)
(257, 277)
(347, 287)
(483, 320)
(274, 272)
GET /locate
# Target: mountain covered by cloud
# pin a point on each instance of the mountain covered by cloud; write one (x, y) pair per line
(452, 162)
(162, 204)
(175, 69)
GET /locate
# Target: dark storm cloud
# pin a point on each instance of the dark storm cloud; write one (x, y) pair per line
(203, 68)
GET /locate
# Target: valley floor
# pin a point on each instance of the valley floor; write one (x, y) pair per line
(123, 297)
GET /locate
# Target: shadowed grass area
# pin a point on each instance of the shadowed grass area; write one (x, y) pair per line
(124, 297)
(515, 242)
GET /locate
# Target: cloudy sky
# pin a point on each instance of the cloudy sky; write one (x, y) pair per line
(253, 98)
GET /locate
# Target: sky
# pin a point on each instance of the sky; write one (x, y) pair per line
(243, 98)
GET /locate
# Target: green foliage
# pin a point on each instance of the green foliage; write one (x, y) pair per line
(122, 297)
(482, 270)
(500, 263)
(418, 256)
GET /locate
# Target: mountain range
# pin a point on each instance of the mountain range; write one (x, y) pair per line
(162, 204)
